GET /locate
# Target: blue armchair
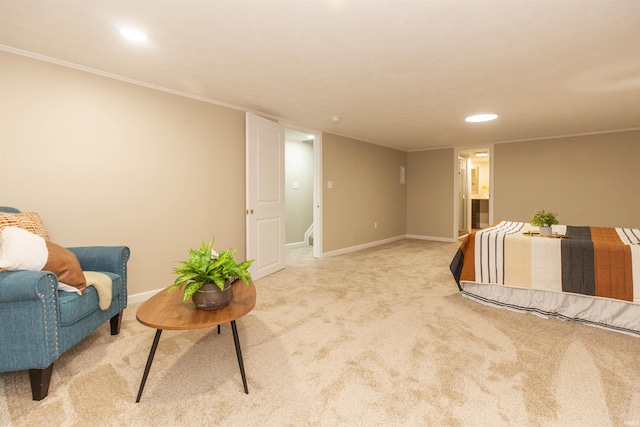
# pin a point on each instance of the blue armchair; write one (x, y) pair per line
(38, 323)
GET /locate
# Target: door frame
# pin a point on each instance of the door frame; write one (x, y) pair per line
(317, 184)
(456, 207)
(466, 197)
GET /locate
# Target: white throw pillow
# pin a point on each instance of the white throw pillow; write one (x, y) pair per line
(22, 250)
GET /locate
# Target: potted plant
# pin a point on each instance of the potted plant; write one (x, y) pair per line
(544, 220)
(207, 276)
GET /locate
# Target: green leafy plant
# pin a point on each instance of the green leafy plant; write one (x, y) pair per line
(208, 266)
(542, 218)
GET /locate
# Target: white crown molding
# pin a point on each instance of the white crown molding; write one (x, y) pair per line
(78, 67)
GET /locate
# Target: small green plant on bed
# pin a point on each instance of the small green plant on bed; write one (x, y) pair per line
(208, 266)
(542, 218)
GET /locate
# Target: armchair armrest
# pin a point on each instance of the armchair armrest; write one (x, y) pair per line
(112, 259)
(27, 285)
(29, 320)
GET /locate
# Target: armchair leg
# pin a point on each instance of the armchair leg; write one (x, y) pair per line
(40, 379)
(116, 321)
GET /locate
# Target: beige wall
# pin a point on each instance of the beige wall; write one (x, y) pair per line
(109, 163)
(366, 189)
(430, 180)
(588, 180)
(299, 165)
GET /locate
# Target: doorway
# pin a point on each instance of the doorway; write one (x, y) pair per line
(265, 208)
(299, 175)
(474, 204)
(303, 192)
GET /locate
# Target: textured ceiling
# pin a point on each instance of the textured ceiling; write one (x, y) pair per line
(399, 73)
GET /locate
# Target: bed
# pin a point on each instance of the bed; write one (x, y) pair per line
(585, 274)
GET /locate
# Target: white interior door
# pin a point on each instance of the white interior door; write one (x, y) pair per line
(266, 232)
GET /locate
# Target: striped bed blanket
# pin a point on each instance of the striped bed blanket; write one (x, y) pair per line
(593, 261)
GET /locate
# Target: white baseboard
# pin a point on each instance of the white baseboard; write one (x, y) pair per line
(361, 247)
(435, 239)
(141, 297)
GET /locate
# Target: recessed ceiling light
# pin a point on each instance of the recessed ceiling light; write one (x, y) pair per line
(133, 34)
(335, 119)
(481, 118)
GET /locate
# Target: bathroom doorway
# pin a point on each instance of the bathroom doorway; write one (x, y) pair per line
(474, 207)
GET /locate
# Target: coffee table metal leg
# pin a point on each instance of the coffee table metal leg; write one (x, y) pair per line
(149, 361)
(239, 354)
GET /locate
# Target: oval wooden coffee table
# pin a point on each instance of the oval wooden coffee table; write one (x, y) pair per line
(167, 311)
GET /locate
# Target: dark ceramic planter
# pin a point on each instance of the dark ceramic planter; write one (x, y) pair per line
(210, 297)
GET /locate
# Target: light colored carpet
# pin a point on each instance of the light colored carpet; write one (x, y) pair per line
(376, 337)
